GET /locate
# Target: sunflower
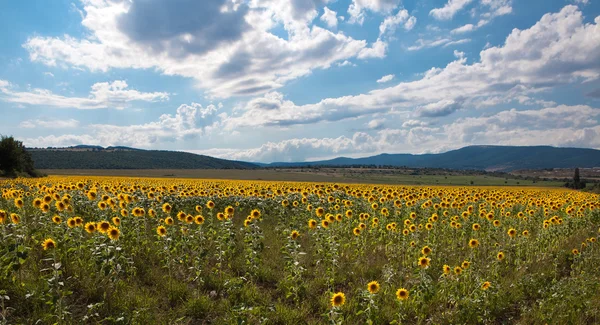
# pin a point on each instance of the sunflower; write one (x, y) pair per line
(320, 211)
(189, 218)
(210, 204)
(169, 221)
(402, 294)
(338, 299)
(116, 221)
(49, 243)
(255, 214)
(424, 262)
(229, 211)
(113, 233)
(476, 226)
(486, 285)
(512, 232)
(294, 235)
(575, 251)
(167, 208)
(458, 270)
(349, 213)
(103, 226)
(71, 223)
(325, 223)
(446, 269)
(247, 222)
(199, 208)
(373, 287)
(15, 218)
(19, 203)
(525, 233)
(312, 223)
(285, 203)
(465, 265)
(473, 243)
(356, 231)
(45, 207)
(199, 219)
(78, 221)
(426, 250)
(90, 227)
(161, 231)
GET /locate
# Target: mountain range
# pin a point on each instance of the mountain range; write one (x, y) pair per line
(490, 158)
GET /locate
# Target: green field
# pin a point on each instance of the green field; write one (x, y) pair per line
(339, 176)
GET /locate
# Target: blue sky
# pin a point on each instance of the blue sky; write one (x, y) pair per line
(294, 80)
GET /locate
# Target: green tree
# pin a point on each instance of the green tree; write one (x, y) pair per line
(15, 160)
(576, 179)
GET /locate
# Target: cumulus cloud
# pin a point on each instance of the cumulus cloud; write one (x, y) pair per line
(189, 121)
(102, 95)
(386, 78)
(329, 17)
(358, 8)
(377, 50)
(441, 108)
(558, 49)
(227, 49)
(559, 126)
(389, 24)
(449, 9)
(49, 124)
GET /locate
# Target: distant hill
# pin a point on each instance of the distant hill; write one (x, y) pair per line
(95, 157)
(490, 158)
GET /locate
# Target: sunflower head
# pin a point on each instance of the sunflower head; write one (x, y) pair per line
(486, 285)
(424, 262)
(447, 269)
(373, 287)
(402, 294)
(113, 233)
(312, 224)
(90, 227)
(473, 243)
(426, 250)
(49, 243)
(338, 299)
(294, 235)
(161, 231)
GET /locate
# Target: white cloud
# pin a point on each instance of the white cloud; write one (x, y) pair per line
(385, 78)
(445, 42)
(358, 8)
(559, 126)
(389, 24)
(376, 124)
(558, 49)
(188, 122)
(49, 74)
(377, 50)
(345, 63)
(102, 95)
(584, 2)
(49, 124)
(238, 58)
(464, 29)
(329, 17)
(449, 9)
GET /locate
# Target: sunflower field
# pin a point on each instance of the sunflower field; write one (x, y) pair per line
(102, 250)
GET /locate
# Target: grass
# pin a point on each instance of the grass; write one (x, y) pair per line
(338, 175)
